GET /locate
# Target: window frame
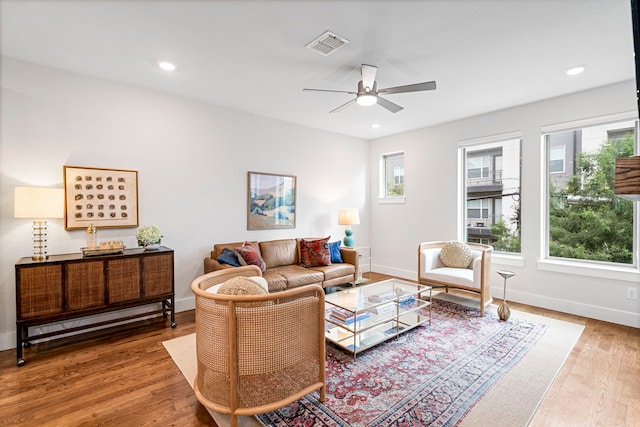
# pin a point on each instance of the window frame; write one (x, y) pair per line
(462, 210)
(593, 268)
(383, 196)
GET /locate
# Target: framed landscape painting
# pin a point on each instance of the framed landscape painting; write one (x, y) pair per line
(106, 198)
(272, 201)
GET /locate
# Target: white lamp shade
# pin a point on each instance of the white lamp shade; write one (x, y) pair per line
(39, 203)
(348, 217)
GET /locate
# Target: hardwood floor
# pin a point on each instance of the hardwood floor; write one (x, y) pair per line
(124, 376)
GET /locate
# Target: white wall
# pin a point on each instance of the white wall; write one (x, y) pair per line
(192, 160)
(431, 209)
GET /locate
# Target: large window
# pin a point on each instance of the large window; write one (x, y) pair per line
(492, 192)
(392, 172)
(585, 219)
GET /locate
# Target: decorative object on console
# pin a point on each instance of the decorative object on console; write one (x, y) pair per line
(110, 247)
(627, 183)
(39, 204)
(92, 236)
(503, 309)
(271, 201)
(348, 217)
(103, 197)
(149, 237)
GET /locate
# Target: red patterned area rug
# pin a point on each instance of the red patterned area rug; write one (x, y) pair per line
(432, 375)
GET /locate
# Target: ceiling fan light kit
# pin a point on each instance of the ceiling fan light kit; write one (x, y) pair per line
(367, 99)
(368, 93)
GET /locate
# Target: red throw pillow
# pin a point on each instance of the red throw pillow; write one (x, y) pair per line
(251, 256)
(314, 253)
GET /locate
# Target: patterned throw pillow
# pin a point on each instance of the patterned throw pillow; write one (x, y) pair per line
(241, 286)
(334, 250)
(315, 253)
(456, 254)
(251, 256)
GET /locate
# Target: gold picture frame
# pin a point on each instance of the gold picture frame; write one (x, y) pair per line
(106, 198)
(271, 201)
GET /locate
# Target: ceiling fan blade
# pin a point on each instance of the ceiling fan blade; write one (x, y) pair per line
(343, 106)
(410, 88)
(394, 108)
(328, 90)
(368, 75)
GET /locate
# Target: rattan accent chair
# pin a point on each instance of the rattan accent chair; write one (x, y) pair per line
(476, 277)
(257, 353)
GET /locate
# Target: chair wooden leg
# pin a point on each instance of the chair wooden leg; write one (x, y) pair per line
(234, 421)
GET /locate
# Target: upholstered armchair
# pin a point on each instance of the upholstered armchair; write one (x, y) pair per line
(257, 353)
(462, 270)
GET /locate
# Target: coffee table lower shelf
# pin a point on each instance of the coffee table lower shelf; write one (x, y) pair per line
(355, 342)
(377, 319)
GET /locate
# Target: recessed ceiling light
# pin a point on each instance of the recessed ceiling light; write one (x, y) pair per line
(166, 65)
(575, 71)
(375, 125)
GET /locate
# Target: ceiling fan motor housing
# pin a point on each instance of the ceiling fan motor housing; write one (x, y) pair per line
(362, 90)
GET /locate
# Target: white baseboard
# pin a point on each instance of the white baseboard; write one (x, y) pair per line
(607, 314)
(8, 339)
(620, 317)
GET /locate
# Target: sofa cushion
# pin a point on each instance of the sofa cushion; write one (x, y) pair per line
(297, 275)
(251, 255)
(279, 252)
(314, 253)
(334, 250)
(230, 257)
(455, 254)
(276, 282)
(452, 275)
(334, 271)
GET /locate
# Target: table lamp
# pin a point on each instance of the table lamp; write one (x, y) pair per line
(39, 204)
(348, 217)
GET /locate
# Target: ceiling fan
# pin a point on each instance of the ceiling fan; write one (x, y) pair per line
(368, 92)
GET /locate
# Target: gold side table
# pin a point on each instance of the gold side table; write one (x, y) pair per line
(503, 309)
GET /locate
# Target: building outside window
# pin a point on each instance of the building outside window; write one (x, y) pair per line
(392, 166)
(492, 193)
(586, 221)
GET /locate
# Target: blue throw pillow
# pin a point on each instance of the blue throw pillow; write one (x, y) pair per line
(229, 257)
(334, 249)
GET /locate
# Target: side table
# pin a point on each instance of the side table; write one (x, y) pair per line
(364, 264)
(503, 309)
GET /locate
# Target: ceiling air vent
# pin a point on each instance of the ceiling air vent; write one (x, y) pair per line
(327, 43)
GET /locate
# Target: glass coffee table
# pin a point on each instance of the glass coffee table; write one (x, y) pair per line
(359, 318)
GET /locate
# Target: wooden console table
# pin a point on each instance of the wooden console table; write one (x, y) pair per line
(70, 286)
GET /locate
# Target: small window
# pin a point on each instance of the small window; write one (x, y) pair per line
(392, 170)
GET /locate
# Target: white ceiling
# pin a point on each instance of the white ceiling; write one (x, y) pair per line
(485, 55)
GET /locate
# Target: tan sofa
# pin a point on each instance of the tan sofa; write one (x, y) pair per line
(282, 258)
